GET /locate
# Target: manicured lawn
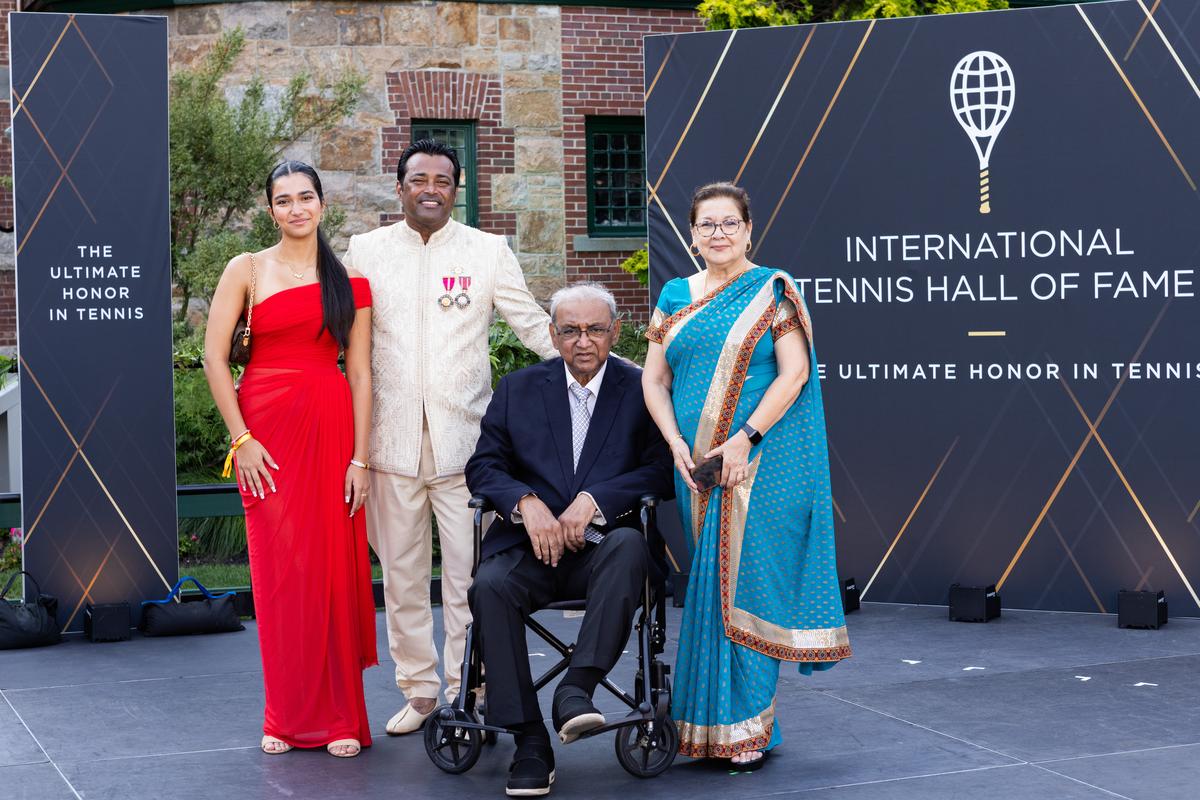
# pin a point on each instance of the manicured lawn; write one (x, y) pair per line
(229, 576)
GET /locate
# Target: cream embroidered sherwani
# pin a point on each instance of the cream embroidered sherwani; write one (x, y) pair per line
(432, 306)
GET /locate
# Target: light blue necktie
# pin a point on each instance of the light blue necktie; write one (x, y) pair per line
(580, 418)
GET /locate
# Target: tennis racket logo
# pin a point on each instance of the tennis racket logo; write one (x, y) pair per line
(981, 94)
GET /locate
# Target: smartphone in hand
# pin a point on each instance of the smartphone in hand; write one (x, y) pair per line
(707, 473)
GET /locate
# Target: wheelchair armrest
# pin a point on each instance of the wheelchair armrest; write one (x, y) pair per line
(650, 500)
(480, 502)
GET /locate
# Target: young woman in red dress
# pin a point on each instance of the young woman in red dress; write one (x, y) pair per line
(299, 433)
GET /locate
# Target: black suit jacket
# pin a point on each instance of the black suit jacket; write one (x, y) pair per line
(525, 446)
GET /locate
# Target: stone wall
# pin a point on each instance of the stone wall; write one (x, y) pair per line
(501, 65)
(497, 64)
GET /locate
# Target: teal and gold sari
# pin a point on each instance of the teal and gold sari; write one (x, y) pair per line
(763, 586)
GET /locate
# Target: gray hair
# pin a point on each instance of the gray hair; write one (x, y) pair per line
(584, 290)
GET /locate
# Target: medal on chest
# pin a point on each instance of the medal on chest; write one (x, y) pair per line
(446, 300)
(462, 299)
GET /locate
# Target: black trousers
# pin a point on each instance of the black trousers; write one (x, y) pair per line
(513, 584)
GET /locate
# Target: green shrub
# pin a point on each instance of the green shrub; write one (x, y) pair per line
(10, 552)
(638, 265)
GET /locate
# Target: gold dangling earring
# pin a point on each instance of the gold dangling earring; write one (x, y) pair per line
(747, 245)
(694, 250)
(275, 222)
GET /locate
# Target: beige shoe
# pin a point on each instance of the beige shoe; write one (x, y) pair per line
(408, 719)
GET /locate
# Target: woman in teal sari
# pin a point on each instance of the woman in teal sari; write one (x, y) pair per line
(728, 374)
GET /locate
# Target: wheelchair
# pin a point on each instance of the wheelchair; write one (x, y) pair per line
(646, 738)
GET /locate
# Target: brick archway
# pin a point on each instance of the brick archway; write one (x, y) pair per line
(438, 94)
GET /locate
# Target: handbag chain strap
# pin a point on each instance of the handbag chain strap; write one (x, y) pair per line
(250, 305)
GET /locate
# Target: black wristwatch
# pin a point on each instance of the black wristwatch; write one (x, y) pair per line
(754, 436)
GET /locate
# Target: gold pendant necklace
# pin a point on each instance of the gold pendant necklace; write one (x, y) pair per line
(297, 275)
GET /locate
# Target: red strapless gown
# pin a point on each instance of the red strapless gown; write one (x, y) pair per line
(308, 560)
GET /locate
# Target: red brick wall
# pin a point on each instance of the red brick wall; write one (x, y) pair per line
(603, 76)
(453, 95)
(8, 300)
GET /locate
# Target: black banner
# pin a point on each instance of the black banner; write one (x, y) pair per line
(90, 171)
(993, 219)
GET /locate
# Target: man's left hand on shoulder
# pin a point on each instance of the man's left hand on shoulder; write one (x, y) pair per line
(576, 519)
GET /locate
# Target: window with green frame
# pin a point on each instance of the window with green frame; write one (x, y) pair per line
(616, 176)
(459, 135)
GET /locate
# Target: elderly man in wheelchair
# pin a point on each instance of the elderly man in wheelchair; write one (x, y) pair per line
(571, 462)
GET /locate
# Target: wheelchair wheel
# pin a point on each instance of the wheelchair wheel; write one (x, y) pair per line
(645, 752)
(451, 748)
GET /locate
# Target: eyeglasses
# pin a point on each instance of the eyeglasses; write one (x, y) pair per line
(728, 227)
(592, 332)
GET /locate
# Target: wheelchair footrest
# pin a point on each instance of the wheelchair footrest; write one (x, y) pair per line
(632, 718)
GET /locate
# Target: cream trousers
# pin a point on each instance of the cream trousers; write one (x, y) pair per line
(398, 526)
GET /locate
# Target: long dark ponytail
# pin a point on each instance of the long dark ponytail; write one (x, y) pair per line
(337, 298)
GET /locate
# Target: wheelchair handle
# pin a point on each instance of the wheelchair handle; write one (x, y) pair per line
(649, 500)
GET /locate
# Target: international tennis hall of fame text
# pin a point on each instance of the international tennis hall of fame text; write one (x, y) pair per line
(1018, 267)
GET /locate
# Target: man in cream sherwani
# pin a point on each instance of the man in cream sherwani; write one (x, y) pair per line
(435, 284)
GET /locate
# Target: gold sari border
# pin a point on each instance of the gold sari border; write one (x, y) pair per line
(782, 329)
(796, 640)
(724, 422)
(726, 741)
(654, 332)
(786, 653)
(789, 291)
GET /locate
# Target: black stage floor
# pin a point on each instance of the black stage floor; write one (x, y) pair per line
(1034, 705)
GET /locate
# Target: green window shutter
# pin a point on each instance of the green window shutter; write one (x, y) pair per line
(459, 135)
(616, 176)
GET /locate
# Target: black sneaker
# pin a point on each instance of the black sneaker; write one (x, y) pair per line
(532, 769)
(574, 714)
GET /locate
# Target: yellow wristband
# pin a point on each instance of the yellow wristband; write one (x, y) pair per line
(238, 442)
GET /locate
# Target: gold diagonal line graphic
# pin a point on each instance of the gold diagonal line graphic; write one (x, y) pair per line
(71, 569)
(1136, 500)
(1137, 98)
(1144, 581)
(775, 105)
(1192, 515)
(686, 248)
(87, 434)
(1141, 30)
(62, 175)
(92, 583)
(661, 67)
(696, 110)
(832, 101)
(88, 45)
(1170, 49)
(64, 169)
(1082, 446)
(38, 218)
(838, 509)
(911, 514)
(96, 475)
(1078, 568)
(42, 68)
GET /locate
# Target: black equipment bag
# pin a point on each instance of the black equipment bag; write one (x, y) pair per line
(210, 614)
(28, 624)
